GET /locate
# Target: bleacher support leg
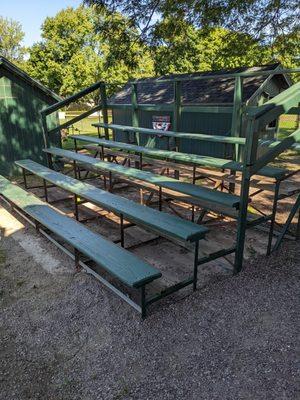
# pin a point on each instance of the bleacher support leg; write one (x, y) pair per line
(24, 178)
(241, 226)
(274, 210)
(122, 230)
(76, 213)
(45, 190)
(293, 212)
(196, 265)
(160, 199)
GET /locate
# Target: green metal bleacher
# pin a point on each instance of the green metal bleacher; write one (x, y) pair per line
(119, 263)
(209, 196)
(184, 158)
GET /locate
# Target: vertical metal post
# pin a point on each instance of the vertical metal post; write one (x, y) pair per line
(177, 110)
(75, 169)
(196, 265)
(250, 151)
(160, 198)
(76, 213)
(135, 117)
(143, 301)
(46, 138)
(141, 161)
(102, 153)
(274, 210)
(76, 150)
(193, 213)
(24, 178)
(236, 122)
(104, 108)
(194, 175)
(177, 116)
(45, 190)
(110, 187)
(295, 208)
(193, 181)
(134, 109)
(122, 230)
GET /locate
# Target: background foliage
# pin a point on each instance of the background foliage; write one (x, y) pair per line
(118, 40)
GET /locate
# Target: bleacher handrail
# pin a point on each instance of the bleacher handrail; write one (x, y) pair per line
(71, 99)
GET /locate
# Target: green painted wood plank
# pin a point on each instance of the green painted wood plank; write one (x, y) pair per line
(185, 158)
(201, 193)
(179, 135)
(158, 222)
(118, 262)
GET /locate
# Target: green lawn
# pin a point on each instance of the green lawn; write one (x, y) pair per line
(82, 127)
(286, 128)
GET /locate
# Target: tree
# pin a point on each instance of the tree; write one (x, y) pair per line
(73, 55)
(264, 19)
(179, 47)
(11, 36)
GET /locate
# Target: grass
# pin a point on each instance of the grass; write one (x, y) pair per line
(290, 158)
(81, 127)
(286, 127)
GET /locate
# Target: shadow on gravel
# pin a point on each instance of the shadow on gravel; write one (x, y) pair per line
(66, 337)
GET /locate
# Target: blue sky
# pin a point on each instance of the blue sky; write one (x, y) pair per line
(31, 14)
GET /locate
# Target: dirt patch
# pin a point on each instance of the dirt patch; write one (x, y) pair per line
(64, 336)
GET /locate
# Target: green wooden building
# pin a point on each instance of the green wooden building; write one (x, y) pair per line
(207, 106)
(21, 133)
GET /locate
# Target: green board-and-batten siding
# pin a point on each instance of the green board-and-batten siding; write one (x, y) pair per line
(21, 133)
(190, 122)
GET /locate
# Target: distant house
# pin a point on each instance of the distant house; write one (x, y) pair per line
(211, 92)
(21, 100)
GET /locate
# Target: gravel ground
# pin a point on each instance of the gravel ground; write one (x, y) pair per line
(63, 336)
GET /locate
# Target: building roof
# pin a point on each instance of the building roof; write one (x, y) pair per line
(210, 91)
(13, 69)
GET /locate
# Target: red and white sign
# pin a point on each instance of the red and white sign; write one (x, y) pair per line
(161, 122)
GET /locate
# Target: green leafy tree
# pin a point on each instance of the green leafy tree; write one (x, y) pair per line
(11, 36)
(269, 22)
(180, 47)
(73, 54)
(263, 19)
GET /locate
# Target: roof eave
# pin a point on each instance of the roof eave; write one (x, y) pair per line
(17, 71)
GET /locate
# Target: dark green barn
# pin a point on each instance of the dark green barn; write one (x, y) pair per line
(21, 100)
(215, 98)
